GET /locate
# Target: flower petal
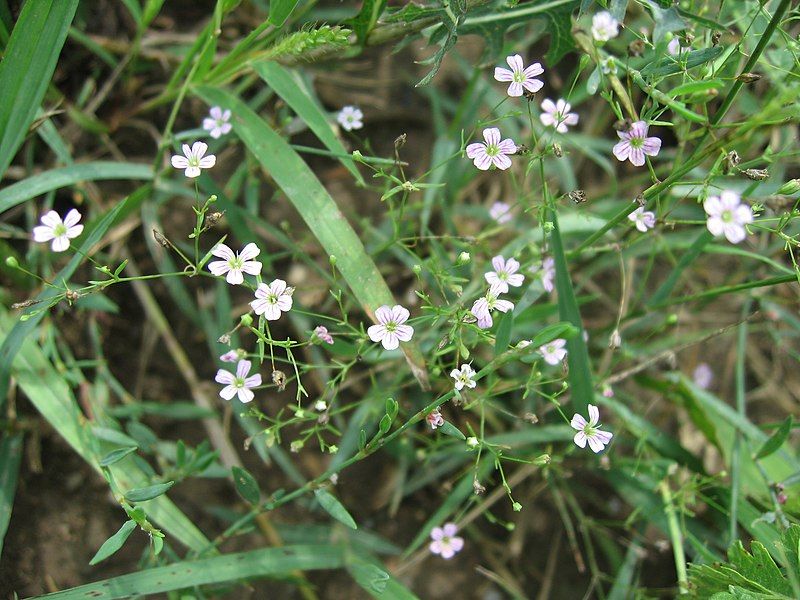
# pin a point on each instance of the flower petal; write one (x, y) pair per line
(578, 422)
(400, 314)
(580, 439)
(249, 252)
(404, 332)
(383, 315)
(390, 341)
(594, 415)
(515, 62)
(492, 136)
(224, 377)
(476, 149)
(72, 218)
(501, 74)
(376, 332)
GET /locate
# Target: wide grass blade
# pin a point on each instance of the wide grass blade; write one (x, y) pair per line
(318, 210)
(27, 67)
(10, 456)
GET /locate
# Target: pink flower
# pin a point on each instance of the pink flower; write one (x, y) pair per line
(435, 418)
(231, 356)
(504, 274)
(500, 212)
(194, 159)
(321, 332)
(728, 216)
(217, 123)
(493, 152)
(643, 219)
(548, 273)
(235, 264)
(61, 232)
(554, 352)
(703, 376)
(590, 432)
(483, 307)
(239, 384)
(520, 76)
(674, 47)
(635, 144)
(390, 330)
(445, 543)
(557, 115)
(273, 299)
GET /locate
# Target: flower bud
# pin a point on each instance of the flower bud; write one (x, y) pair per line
(12, 262)
(417, 269)
(246, 320)
(542, 460)
(463, 259)
(749, 77)
(790, 188)
(472, 442)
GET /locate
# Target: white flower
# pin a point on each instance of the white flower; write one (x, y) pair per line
(674, 47)
(604, 26)
(500, 212)
(61, 232)
(608, 65)
(493, 152)
(703, 376)
(557, 115)
(350, 118)
(727, 215)
(320, 405)
(273, 299)
(235, 264)
(217, 124)
(547, 272)
(554, 352)
(483, 307)
(504, 274)
(390, 330)
(590, 432)
(464, 377)
(239, 384)
(644, 219)
(194, 159)
(521, 78)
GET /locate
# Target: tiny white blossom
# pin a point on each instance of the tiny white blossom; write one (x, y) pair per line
(390, 330)
(464, 377)
(608, 65)
(500, 212)
(445, 542)
(483, 307)
(727, 216)
(194, 159)
(554, 352)
(504, 274)
(590, 432)
(217, 124)
(239, 384)
(60, 232)
(320, 405)
(234, 264)
(350, 117)
(521, 78)
(604, 26)
(556, 114)
(643, 219)
(493, 152)
(273, 299)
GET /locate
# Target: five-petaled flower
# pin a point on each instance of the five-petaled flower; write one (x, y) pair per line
(194, 159)
(521, 78)
(350, 117)
(727, 216)
(61, 232)
(273, 299)
(635, 144)
(232, 356)
(235, 263)
(493, 152)
(464, 377)
(390, 330)
(240, 384)
(217, 123)
(643, 219)
(556, 114)
(590, 432)
(483, 307)
(604, 26)
(504, 274)
(435, 418)
(500, 212)
(554, 352)
(445, 542)
(321, 333)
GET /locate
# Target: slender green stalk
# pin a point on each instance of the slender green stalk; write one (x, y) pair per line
(675, 537)
(736, 453)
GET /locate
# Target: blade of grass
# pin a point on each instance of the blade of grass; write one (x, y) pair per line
(665, 289)
(10, 457)
(27, 67)
(318, 210)
(279, 11)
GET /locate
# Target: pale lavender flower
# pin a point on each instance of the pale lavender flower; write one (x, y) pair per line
(194, 159)
(483, 307)
(521, 78)
(273, 299)
(643, 219)
(231, 356)
(493, 152)
(217, 123)
(674, 47)
(703, 376)
(435, 418)
(390, 330)
(464, 377)
(500, 212)
(554, 352)
(445, 542)
(240, 384)
(235, 264)
(556, 114)
(590, 432)
(350, 117)
(727, 216)
(547, 272)
(604, 26)
(607, 391)
(321, 332)
(504, 274)
(60, 232)
(635, 144)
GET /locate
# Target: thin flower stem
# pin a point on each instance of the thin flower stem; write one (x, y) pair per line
(675, 537)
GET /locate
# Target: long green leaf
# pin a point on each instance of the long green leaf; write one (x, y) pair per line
(776, 440)
(279, 11)
(10, 456)
(334, 508)
(294, 92)
(220, 569)
(27, 67)
(318, 209)
(66, 176)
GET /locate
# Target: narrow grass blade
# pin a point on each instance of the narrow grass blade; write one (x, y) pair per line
(268, 562)
(27, 67)
(318, 209)
(66, 176)
(279, 11)
(665, 289)
(294, 92)
(10, 457)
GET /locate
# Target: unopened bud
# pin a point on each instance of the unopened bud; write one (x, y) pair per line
(463, 259)
(756, 174)
(245, 320)
(557, 150)
(12, 262)
(71, 296)
(400, 141)
(417, 269)
(615, 341)
(542, 460)
(160, 239)
(279, 379)
(332, 260)
(749, 77)
(214, 218)
(790, 187)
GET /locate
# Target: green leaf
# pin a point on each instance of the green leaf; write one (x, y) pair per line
(367, 17)
(450, 19)
(665, 289)
(334, 508)
(559, 26)
(116, 456)
(148, 493)
(10, 457)
(246, 485)
(449, 429)
(289, 86)
(279, 11)
(503, 335)
(114, 543)
(385, 424)
(552, 332)
(27, 67)
(666, 20)
(318, 210)
(776, 440)
(670, 65)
